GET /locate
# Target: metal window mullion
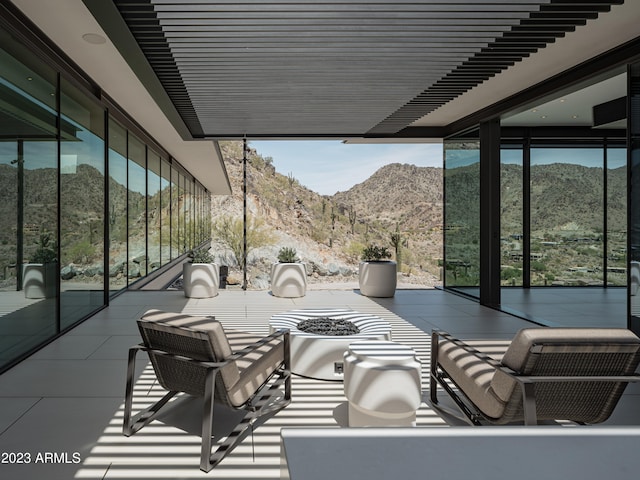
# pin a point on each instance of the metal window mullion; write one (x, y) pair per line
(146, 209)
(127, 207)
(605, 213)
(526, 212)
(106, 234)
(59, 199)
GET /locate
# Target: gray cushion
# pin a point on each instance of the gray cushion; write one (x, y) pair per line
(471, 374)
(545, 351)
(522, 355)
(240, 378)
(214, 330)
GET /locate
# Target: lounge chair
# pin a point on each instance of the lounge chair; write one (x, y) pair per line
(575, 374)
(195, 355)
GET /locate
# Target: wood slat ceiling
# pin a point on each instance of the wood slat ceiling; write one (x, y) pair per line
(332, 68)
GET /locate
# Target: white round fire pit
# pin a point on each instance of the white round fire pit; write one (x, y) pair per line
(321, 355)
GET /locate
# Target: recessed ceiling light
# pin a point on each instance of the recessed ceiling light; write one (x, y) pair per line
(574, 116)
(534, 110)
(543, 116)
(562, 100)
(30, 78)
(94, 38)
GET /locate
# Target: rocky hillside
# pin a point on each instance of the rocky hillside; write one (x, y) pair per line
(329, 232)
(402, 194)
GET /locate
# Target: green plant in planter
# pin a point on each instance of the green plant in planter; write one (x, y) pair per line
(375, 253)
(287, 255)
(201, 255)
(46, 251)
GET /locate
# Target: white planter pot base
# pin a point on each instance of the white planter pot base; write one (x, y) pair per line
(200, 280)
(288, 280)
(378, 279)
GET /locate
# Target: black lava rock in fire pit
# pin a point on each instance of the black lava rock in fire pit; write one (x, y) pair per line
(328, 326)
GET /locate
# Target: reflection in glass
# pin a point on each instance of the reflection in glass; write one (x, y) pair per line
(617, 216)
(137, 201)
(154, 216)
(165, 202)
(511, 220)
(567, 215)
(634, 200)
(462, 215)
(117, 206)
(28, 172)
(82, 165)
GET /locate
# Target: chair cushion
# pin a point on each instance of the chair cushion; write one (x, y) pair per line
(256, 367)
(241, 378)
(522, 355)
(217, 338)
(471, 374)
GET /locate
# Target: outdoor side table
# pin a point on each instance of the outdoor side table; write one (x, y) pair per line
(382, 382)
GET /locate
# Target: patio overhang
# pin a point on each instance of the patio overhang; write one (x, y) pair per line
(352, 69)
(347, 70)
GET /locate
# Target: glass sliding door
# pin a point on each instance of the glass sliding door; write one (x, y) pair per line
(512, 231)
(137, 209)
(616, 217)
(165, 207)
(82, 200)
(117, 206)
(28, 202)
(633, 139)
(462, 215)
(567, 216)
(154, 216)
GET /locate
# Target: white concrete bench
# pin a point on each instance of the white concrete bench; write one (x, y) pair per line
(460, 453)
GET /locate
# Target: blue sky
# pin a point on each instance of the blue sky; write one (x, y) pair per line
(328, 166)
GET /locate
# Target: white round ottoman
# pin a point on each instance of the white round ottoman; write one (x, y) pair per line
(382, 382)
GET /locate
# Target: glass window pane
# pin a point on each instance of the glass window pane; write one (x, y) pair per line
(137, 209)
(165, 200)
(28, 201)
(175, 214)
(117, 206)
(462, 215)
(511, 221)
(617, 216)
(82, 182)
(154, 216)
(567, 216)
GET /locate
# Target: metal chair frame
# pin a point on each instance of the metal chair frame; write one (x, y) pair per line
(257, 406)
(472, 414)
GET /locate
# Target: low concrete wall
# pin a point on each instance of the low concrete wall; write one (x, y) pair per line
(460, 453)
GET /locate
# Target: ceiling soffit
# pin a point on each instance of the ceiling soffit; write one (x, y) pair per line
(357, 68)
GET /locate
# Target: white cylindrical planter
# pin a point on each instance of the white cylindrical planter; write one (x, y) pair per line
(382, 382)
(378, 279)
(200, 280)
(288, 280)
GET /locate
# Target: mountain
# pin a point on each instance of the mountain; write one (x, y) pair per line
(565, 195)
(402, 194)
(329, 232)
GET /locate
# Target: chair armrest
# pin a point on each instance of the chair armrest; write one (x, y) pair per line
(142, 347)
(284, 333)
(467, 348)
(577, 378)
(245, 351)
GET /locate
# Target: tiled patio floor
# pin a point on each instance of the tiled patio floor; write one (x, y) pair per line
(68, 397)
